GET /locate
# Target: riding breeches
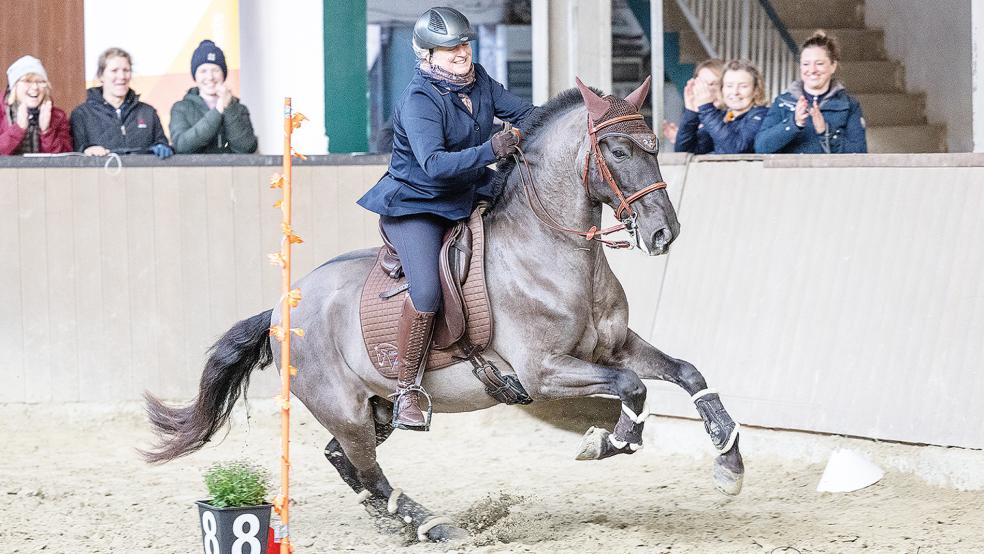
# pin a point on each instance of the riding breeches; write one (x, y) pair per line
(417, 239)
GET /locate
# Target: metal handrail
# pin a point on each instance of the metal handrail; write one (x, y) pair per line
(745, 29)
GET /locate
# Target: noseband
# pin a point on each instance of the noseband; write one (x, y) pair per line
(623, 212)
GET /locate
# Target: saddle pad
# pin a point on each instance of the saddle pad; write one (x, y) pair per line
(379, 316)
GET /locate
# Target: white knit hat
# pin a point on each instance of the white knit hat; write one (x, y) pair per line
(23, 66)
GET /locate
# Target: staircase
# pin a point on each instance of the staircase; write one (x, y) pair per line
(896, 118)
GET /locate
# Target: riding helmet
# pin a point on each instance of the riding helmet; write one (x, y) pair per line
(442, 28)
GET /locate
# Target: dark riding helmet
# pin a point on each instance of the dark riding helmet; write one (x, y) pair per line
(442, 28)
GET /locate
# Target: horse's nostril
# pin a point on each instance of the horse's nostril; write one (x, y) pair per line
(662, 237)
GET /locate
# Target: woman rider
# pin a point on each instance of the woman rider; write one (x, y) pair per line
(442, 143)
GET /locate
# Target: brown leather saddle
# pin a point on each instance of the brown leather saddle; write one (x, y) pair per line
(462, 328)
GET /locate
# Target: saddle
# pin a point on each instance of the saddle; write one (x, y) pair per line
(463, 326)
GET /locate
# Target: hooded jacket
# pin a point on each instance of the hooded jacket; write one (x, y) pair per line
(198, 129)
(53, 141)
(132, 128)
(441, 149)
(845, 125)
(706, 132)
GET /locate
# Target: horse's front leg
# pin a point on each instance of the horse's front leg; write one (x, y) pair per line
(564, 376)
(650, 363)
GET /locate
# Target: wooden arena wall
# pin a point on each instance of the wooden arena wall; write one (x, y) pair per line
(832, 294)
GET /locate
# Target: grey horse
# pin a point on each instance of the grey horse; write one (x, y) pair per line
(561, 320)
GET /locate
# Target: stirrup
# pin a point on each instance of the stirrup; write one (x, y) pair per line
(427, 415)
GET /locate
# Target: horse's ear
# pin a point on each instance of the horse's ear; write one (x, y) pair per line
(638, 96)
(597, 106)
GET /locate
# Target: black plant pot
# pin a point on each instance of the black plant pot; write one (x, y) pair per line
(223, 529)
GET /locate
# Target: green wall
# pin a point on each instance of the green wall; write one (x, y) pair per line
(346, 82)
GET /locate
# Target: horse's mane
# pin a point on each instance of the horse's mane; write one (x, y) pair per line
(560, 104)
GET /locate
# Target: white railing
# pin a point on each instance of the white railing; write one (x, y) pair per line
(748, 29)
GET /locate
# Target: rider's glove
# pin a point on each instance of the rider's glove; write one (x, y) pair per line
(505, 143)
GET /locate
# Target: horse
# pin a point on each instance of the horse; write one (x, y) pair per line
(560, 314)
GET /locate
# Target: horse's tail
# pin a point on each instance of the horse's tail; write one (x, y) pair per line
(183, 430)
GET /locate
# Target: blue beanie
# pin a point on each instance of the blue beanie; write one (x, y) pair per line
(208, 52)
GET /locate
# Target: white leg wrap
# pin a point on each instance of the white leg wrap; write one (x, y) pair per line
(701, 394)
(637, 418)
(430, 524)
(391, 503)
(616, 443)
(362, 497)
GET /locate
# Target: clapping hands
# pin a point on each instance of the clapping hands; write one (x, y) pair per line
(696, 94)
(225, 98)
(670, 131)
(805, 110)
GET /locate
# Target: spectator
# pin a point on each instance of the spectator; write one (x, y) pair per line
(210, 120)
(725, 131)
(29, 122)
(709, 72)
(112, 118)
(815, 115)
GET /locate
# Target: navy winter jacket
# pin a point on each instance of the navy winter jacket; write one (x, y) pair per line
(440, 150)
(134, 127)
(845, 132)
(705, 132)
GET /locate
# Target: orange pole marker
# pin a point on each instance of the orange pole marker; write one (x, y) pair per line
(283, 332)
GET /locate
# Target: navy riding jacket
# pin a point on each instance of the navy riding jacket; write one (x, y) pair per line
(845, 125)
(440, 150)
(705, 132)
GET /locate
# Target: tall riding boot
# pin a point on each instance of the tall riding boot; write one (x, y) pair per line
(412, 343)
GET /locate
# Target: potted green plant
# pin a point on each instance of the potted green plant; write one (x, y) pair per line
(236, 517)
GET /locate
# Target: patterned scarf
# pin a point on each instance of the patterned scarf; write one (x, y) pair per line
(447, 80)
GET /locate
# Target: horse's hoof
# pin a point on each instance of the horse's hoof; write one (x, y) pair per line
(592, 444)
(444, 532)
(729, 471)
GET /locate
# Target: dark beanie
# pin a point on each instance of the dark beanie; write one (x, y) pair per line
(208, 52)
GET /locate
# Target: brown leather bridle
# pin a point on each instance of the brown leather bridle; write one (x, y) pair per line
(623, 212)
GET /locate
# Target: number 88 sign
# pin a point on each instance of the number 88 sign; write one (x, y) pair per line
(234, 530)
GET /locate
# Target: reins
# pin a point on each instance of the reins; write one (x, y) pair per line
(623, 212)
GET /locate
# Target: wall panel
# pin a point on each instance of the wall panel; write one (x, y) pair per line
(843, 300)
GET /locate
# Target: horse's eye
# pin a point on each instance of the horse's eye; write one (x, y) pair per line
(620, 154)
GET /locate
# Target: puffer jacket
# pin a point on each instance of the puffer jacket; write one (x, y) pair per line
(707, 132)
(198, 129)
(845, 132)
(55, 140)
(132, 128)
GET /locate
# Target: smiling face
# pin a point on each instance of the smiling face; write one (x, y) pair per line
(208, 77)
(816, 69)
(31, 90)
(116, 77)
(457, 60)
(738, 89)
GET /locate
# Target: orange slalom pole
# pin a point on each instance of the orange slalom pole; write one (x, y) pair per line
(283, 331)
(289, 299)
(285, 545)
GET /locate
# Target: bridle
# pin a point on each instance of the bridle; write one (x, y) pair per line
(624, 212)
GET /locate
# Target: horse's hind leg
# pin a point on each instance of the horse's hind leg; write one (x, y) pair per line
(336, 456)
(352, 452)
(650, 363)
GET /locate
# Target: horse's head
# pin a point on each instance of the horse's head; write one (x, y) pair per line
(620, 169)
